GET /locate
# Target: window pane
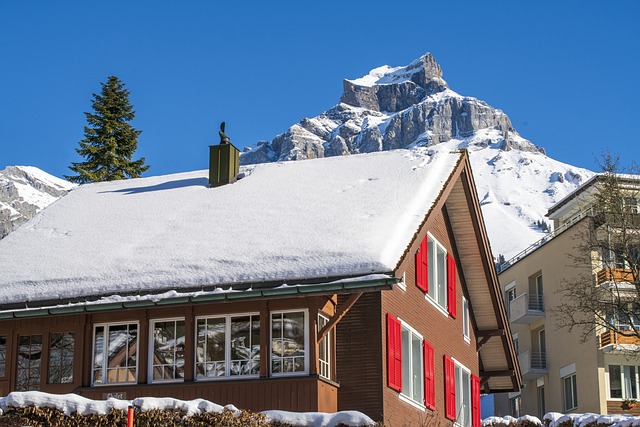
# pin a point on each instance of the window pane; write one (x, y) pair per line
(442, 277)
(412, 366)
(431, 253)
(417, 377)
(288, 352)
(615, 381)
(630, 382)
(406, 362)
(28, 362)
(210, 354)
(98, 354)
(324, 348)
(61, 349)
(115, 353)
(168, 350)
(3, 354)
(245, 346)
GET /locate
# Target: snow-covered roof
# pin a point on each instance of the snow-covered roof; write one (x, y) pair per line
(282, 222)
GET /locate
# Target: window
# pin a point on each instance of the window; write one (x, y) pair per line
(115, 358)
(167, 350)
(324, 349)
(3, 354)
(514, 406)
(570, 392)
(412, 361)
(465, 319)
(515, 344)
(61, 349)
(509, 295)
(541, 405)
(437, 261)
(228, 346)
(289, 342)
(631, 205)
(463, 396)
(29, 362)
(623, 382)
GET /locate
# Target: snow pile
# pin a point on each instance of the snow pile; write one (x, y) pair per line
(72, 403)
(318, 419)
(555, 419)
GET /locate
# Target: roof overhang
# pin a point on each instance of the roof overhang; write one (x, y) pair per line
(498, 361)
(371, 283)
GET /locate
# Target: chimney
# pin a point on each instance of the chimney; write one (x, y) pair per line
(224, 161)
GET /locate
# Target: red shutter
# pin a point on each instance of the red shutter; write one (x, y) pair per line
(450, 388)
(422, 276)
(475, 401)
(451, 285)
(429, 376)
(394, 353)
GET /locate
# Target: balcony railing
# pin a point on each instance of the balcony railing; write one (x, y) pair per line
(611, 337)
(617, 275)
(526, 308)
(547, 237)
(533, 364)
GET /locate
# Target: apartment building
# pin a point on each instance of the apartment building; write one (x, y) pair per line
(580, 370)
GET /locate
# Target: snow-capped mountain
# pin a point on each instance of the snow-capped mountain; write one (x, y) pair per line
(25, 190)
(404, 107)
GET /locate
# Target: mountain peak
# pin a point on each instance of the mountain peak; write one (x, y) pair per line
(408, 85)
(24, 191)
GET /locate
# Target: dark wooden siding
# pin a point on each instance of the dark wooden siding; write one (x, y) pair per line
(299, 394)
(358, 355)
(441, 330)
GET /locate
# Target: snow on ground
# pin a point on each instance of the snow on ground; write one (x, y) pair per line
(555, 419)
(72, 403)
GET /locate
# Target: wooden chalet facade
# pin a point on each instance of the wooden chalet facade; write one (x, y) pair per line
(404, 344)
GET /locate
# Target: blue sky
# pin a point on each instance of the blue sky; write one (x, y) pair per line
(566, 72)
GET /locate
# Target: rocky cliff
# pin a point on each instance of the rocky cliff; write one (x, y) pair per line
(403, 107)
(24, 191)
(387, 109)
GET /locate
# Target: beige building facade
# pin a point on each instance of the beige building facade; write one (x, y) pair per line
(562, 372)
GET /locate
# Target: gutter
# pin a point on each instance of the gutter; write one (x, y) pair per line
(340, 287)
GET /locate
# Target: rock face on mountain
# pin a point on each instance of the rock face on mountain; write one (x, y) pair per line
(24, 191)
(403, 107)
(387, 109)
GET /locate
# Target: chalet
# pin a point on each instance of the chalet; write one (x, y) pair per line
(363, 282)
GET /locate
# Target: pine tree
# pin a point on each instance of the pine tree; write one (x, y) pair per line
(109, 140)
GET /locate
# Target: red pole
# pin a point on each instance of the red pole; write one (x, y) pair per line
(130, 417)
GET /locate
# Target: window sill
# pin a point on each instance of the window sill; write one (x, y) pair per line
(230, 378)
(412, 402)
(436, 305)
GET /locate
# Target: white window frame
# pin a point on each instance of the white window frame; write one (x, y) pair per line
(436, 290)
(402, 395)
(105, 356)
(227, 348)
(624, 373)
(460, 372)
(305, 311)
(509, 290)
(573, 380)
(403, 283)
(466, 321)
(151, 352)
(324, 346)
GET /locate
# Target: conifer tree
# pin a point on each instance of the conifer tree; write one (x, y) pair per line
(109, 140)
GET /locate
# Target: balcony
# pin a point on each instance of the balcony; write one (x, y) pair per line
(616, 275)
(611, 337)
(526, 308)
(533, 364)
